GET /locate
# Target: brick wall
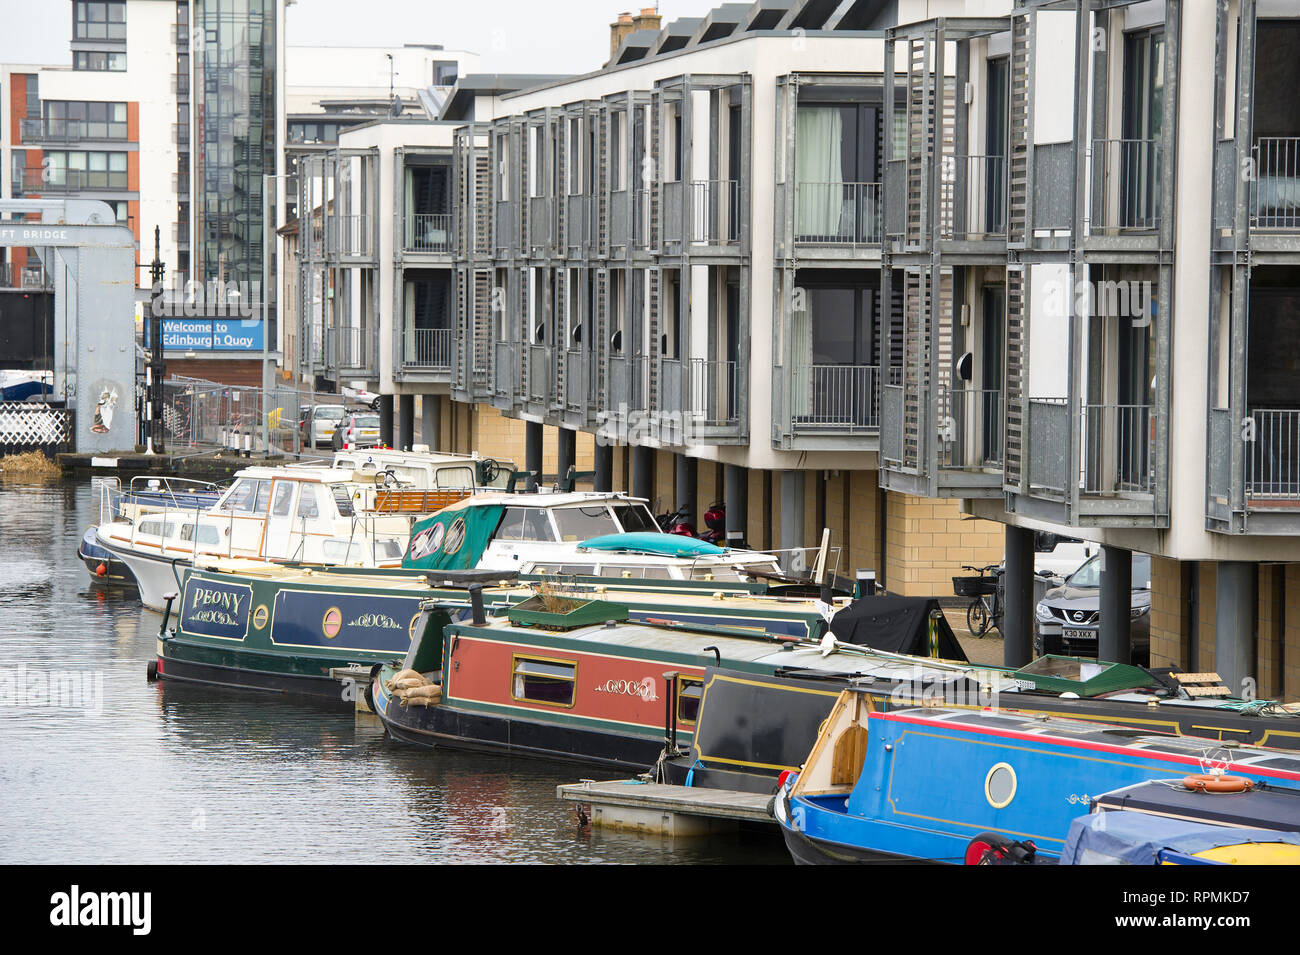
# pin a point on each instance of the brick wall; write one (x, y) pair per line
(927, 541)
(1170, 613)
(1207, 626)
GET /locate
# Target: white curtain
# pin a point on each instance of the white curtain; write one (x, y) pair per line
(820, 183)
(409, 197)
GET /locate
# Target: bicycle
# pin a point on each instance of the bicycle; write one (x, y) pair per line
(985, 609)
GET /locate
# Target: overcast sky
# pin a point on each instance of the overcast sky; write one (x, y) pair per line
(511, 36)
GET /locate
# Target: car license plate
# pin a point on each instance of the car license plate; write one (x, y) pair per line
(1072, 633)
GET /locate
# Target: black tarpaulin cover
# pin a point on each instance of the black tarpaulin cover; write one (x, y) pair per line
(896, 624)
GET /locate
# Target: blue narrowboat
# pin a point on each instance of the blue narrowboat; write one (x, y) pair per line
(922, 783)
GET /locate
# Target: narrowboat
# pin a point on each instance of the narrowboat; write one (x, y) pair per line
(592, 688)
(870, 790)
(284, 627)
(1180, 821)
(358, 511)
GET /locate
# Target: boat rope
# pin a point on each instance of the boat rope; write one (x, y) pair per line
(1261, 707)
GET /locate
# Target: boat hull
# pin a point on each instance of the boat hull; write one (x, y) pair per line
(104, 567)
(155, 576)
(176, 665)
(449, 726)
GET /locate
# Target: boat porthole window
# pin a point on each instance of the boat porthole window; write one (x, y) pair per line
(260, 615)
(415, 620)
(332, 622)
(1000, 785)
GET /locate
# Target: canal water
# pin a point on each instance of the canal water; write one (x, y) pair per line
(122, 770)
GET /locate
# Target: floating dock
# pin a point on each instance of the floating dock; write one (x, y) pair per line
(634, 805)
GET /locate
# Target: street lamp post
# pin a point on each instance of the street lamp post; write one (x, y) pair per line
(266, 344)
(155, 367)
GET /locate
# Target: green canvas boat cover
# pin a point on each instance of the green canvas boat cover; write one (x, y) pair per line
(453, 539)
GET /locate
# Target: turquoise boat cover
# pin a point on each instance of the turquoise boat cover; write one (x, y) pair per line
(1124, 837)
(648, 542)
(453, 539)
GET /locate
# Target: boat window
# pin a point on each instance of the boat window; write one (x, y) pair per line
(156, 528)
(263, 497)
(283, 499)
(524, 524)
(689, 693)
(635, 518)
(636, 571)
(716, 572)
(343, 499)
(207, 534)
(308, 502)
(584, 523)
(458, 477)
(241, 496)
(544, 681)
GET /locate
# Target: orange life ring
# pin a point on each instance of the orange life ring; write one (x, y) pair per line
(1207, 783)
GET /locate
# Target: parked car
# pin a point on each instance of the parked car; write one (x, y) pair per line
(360, 429)
(1068, 618)
(1060, 556)
(318, 424)
(362, 397)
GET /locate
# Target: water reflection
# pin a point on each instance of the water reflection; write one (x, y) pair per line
(176, 773)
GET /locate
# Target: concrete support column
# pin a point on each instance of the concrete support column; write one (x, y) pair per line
(1235, 610)
(688, 485)
(1018, 584)
(431, 425)
(792, 521)
(386, 420)
(405, 422)
(1115, 638)
(643, 472)
(604, 466)
(735, 494)
(533, 453)
(566, 446)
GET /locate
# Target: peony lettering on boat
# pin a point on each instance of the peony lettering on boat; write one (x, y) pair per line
(215, 609)
(644, 688)
(205, 597)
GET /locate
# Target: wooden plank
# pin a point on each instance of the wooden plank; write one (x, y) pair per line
(663, 797)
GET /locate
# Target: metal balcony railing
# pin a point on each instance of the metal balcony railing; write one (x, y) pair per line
(837, 213)
(57, 180)
(668, 393)
(575, 380)
(715, 211)
(539, 373)
(1118, 449)
(641, 218)
(505, 372)
(354, 347)
(1125, 185)
(427, 348)
(504, 227)
(973, 197)
(711, 391)
(970, 428)
(843, 399)
(428, 232)
(1273, 457)
(1275, 188)
(37, 130)
(350, 234)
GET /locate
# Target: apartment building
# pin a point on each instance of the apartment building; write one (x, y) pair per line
(674, 261)
(1090, 264)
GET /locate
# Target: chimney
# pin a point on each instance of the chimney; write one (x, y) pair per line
(647, 19)
(619, 31)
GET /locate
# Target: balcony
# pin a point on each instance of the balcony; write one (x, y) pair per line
(354, 346)
(350, 235)
(711, 392)
(505, 229)
(577, 225)
(538, 374)
(1118, 449)
(1125, 186)
(715, 212)
(837, 213)
(428, 232)
(57, 180)
(836, 399)
(970, 430)
(427, 348)
(65, 131)
(1273, 459)
(505, 373)
(575, 382)
(1275, 188)
(973, 198)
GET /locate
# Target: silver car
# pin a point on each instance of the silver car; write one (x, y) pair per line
(318, 424)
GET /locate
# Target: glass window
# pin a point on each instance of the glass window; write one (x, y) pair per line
(343, 499)
(525, 524)
(99, 61)
(1089, 575)
(544, 681)
(584, 523)
(635, 518)
(241, 496)
(689, 694)
(263, 497)
(309, 502)
(283, 499)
